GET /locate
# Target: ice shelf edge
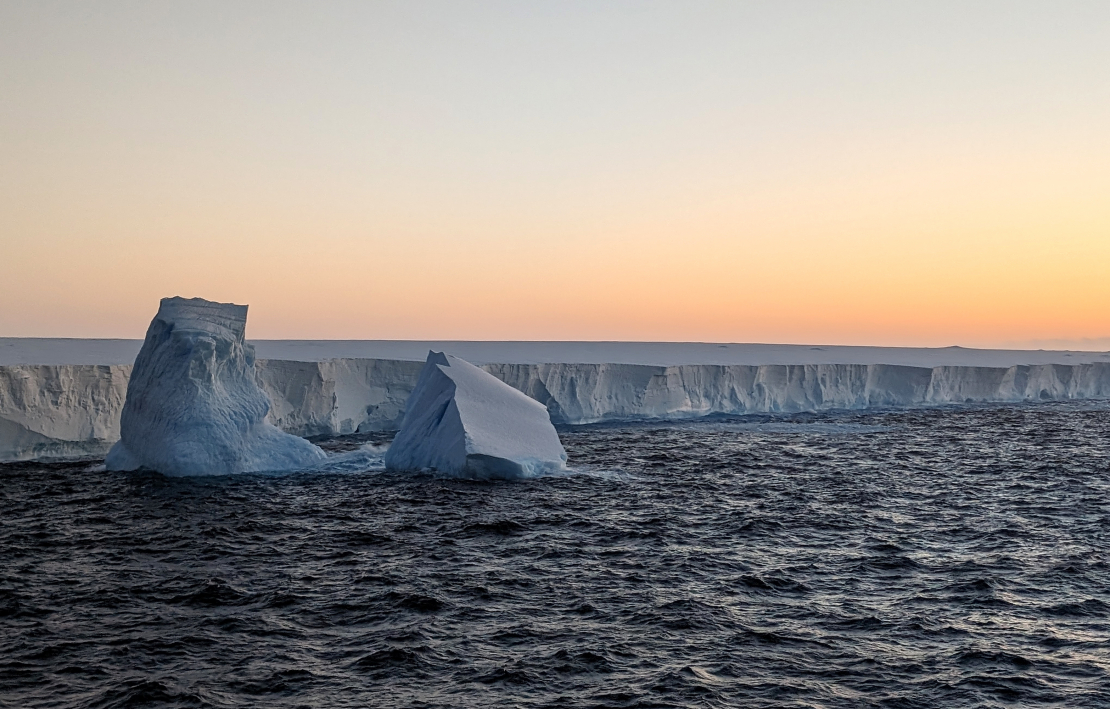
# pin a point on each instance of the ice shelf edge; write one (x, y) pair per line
(73, 410)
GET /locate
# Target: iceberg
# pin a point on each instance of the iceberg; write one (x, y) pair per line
(194, 406)
(463, 422)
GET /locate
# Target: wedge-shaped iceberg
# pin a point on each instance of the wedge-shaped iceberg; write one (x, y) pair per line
(193, 403)
(463, 422)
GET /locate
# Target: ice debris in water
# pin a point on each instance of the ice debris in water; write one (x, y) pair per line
(463, 422)
(193, 404)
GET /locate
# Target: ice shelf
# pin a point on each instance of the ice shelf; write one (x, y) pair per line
(75, 409)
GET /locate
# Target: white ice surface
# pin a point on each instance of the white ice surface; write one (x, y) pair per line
(69, 402)
(463, 422)
(66, 410)
(91, 351)
(194, 406)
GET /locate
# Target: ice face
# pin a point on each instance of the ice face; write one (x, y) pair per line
(463, 422)
(75, 410)
(193, 404)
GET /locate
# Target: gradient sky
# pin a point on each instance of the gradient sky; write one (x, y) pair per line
(892, 173)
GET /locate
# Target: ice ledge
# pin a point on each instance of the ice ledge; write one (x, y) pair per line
(70, 409)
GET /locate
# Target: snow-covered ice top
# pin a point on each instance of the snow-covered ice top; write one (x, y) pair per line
(220, 320)
(194, 406)
(463, 422)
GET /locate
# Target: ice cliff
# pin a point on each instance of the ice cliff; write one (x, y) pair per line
(461, 421)
(193, 404)
(60, 410)
(75, 409)
(337, 396)
(576, 393)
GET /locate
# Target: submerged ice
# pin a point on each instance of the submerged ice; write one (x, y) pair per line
(462, 421)
(194, 406)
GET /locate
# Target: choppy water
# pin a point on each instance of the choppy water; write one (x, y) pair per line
(951, 558)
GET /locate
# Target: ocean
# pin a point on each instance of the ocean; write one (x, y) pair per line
(945, 557)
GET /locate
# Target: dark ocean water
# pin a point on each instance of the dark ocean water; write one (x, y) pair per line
(938, 558)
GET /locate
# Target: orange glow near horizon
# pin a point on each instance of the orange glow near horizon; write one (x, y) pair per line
(877, 262)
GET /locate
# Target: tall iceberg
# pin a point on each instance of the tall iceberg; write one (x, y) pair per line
(194, 406)
(464, 422)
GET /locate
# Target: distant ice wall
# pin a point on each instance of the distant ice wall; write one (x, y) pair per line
(74, 409)
(60, 410)
(586, 393)
(337, 396)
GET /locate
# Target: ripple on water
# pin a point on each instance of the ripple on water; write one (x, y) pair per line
(946, 557)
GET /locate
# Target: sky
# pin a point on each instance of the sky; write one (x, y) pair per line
(881, 173)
